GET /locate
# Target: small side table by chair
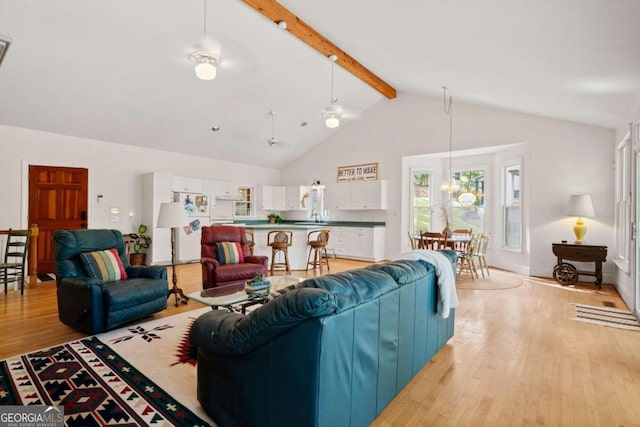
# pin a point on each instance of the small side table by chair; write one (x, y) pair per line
(280, 240)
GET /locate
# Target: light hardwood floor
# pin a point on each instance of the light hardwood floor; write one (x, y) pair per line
(516, 358)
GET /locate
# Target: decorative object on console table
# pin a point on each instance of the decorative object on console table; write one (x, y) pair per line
(567, 274)
(580, 205)
(138, 241)
(173, 216)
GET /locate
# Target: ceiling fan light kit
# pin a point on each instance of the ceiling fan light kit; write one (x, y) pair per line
(206, 65)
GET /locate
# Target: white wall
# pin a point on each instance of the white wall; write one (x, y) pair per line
(564, 158)
(115, 171)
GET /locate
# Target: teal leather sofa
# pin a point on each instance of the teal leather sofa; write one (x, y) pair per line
(90, 305)
(332, 352)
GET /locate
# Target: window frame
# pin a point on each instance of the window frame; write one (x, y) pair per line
(623, 209)
(506, 198)
(250, 202)
(449, 199)
(412, 207)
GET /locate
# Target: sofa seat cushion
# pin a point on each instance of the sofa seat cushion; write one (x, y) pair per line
(133, 292)
(352, 288)
(237, 272)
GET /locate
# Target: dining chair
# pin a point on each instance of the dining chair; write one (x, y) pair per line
(466, 259)
(412, 240)
(465, 237)
(432, 240)
(480, 253)
(12, 269)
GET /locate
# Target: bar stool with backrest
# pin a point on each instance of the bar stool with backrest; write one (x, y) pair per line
(250, 240)
(432, 240)
(280, 240)
(318, 241)
(12, 269)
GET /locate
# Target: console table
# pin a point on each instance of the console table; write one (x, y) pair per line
(566, 274)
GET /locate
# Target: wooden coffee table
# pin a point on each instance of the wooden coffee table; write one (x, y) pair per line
(233, 297)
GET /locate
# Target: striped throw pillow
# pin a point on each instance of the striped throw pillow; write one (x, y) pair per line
(104, 265)
(229, 253)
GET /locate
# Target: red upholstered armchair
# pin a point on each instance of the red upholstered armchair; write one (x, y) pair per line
(221, 269)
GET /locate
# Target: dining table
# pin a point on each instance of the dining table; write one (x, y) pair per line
(451, 241)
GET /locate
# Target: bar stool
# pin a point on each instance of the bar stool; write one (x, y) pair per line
(318, 241)
(250, 240)
(280, 240)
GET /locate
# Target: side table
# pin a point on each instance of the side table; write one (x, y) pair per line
(566, 274)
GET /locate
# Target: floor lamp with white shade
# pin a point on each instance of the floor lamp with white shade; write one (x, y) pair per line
(173, 216)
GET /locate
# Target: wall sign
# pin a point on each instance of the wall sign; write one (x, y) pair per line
(364, 172)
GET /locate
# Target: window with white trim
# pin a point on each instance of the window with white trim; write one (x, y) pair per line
(623, 203)
(512, 211)
(244, 207)
(467, 204)
(420, 200)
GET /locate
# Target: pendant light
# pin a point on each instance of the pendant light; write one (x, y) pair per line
(451, 186)
(332, 113)
(205, 62)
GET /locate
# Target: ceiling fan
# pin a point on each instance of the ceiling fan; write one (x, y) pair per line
(273, 141)
(334, 112)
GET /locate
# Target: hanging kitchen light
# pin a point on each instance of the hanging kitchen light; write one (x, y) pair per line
(451, 186)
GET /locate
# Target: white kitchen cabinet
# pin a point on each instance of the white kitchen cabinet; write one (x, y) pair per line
(209, 189)
(369, 195)
(271, 198)
(279, 198)
(227, 190)
(362, 243)
(156, 189)
(357, 195)
(295, 195)
(183, 184)
(337, 196)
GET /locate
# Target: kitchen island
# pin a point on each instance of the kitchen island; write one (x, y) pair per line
(298, 249)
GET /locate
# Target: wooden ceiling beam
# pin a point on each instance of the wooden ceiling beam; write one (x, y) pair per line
(277, 13)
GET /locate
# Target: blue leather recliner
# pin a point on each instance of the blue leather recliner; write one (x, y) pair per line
(332, 352)
(92, 306)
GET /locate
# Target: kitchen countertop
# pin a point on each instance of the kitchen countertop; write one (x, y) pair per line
(310, 224)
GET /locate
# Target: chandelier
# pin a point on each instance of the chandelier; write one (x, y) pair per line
(451, 185)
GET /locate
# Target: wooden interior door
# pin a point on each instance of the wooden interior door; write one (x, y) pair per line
(57, 201)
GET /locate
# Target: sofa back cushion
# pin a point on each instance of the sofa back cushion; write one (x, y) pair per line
(69, 244)
(352, 288)
(211, 235)
(229, 253)
(104, 265)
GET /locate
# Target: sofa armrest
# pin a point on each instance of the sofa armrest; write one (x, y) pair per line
(257, 259)
(234, 334)
(147, 271)
(211, 263)
(79, 283)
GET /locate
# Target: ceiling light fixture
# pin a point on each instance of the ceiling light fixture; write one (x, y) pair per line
(282, 25)
(205, 61)
(332, 113)
(451, 186)
(273, 140)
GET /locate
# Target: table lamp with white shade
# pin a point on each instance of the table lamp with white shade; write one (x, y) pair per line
(173, 216)
(580, 205)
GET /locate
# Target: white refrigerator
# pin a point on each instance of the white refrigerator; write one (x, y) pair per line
(188, 237)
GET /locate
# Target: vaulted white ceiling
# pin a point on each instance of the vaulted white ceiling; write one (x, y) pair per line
(120, 71)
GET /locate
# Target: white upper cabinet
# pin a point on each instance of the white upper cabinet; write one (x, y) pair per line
(265, 197)
(226, 189)
(162, 182)
(295, 194)
(279, 198)
(209, 189)
(183, 184)
(357, 195)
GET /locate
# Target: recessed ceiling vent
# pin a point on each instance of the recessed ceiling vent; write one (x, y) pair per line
(4, 46)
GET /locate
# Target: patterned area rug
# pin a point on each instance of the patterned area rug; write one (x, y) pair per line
(140, 375)
(605, 316)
